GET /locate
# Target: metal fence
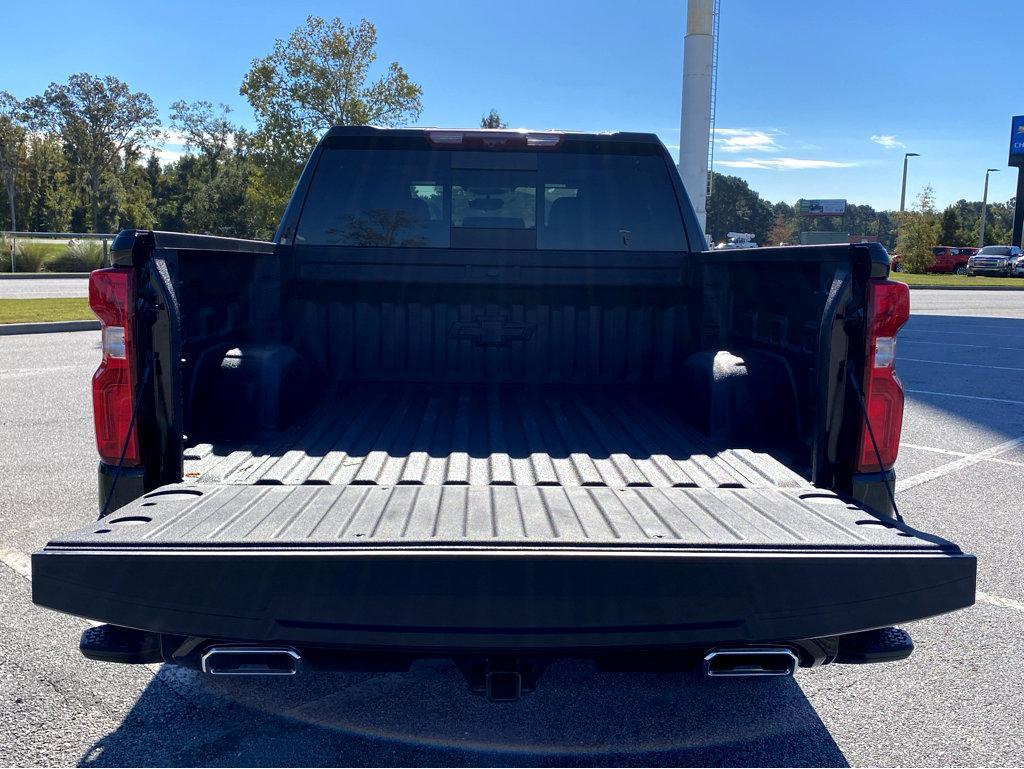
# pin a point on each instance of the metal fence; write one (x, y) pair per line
(14, 237)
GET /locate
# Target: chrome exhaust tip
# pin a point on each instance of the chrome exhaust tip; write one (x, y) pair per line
(250, 661)
(760, 661)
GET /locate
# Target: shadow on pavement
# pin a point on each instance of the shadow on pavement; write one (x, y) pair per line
(940, 357)
(427, 717)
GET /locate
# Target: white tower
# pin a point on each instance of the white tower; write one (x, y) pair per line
(695, 122)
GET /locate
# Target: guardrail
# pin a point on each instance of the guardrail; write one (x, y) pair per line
(105, 237)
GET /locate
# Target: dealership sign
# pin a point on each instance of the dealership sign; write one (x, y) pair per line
(1017, 141)
(820, 207)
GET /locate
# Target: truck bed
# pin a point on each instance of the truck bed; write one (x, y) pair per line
(388, 434)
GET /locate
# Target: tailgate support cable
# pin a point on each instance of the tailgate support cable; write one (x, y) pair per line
(874, 443)
(128, 436)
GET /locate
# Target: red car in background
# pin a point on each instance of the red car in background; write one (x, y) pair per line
(949, 259)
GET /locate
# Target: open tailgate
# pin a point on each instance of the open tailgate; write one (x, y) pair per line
(450, 568)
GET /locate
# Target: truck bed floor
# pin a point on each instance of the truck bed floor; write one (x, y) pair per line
(489, 435)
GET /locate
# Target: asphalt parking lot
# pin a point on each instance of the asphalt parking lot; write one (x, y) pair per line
(957, 701)
(44, 288)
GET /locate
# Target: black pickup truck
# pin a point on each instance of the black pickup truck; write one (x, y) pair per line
(488, 396)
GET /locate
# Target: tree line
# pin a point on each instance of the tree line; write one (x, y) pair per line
(81, 156)
(734, 206)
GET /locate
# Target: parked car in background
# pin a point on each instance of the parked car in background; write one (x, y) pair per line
(946, 259)
(737, 240)
(994, 260)
(1018, 267)
(964, 255)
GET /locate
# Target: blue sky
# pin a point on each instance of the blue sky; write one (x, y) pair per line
(814, 99)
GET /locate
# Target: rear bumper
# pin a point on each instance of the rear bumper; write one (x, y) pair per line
(469, 600)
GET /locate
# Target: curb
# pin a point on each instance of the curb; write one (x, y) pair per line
(912, 286)
(10, 329)
(41, 275)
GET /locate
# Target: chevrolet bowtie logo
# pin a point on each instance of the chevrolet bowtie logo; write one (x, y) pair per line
(491, 330)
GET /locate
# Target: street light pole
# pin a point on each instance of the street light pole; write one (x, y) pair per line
(903, 188)
(984, 208)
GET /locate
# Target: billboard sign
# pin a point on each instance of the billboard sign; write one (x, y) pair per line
(818, 207)
(1017, 141)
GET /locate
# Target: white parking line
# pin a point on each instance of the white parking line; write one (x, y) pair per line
(900, 359)
(969, 397)
(20, 372)
(904, 340)
(1011, 326)
(932, 448)
(950, 453)
(958, 464)
(998, 600)
(18, 562)
(964, 333)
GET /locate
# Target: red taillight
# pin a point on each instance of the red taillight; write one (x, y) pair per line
(889, 309)
(112, 297)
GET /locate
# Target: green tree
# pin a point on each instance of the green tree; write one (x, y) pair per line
(154, 171)
(734, 207)
(492, 120)
(205, 130)
(138, 205)
(170, 184)
(99, 120)
(48, 197)
(918, 233)
(220, 206)
(949, 227)
(780, 233)
(318, 78)
(13, 135)
(861, 220)
(1000, 223)
(886, 228)
(190, 196)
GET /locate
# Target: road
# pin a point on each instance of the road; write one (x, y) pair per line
(43, 288)
(977, 303)
(957, 701)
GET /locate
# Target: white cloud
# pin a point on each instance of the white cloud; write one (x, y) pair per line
(886, 140)
(168, 155)
(169, 148)
(174, 138)
(745, 140)
(788, 164)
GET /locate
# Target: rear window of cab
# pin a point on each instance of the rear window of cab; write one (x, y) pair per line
(430, 198)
